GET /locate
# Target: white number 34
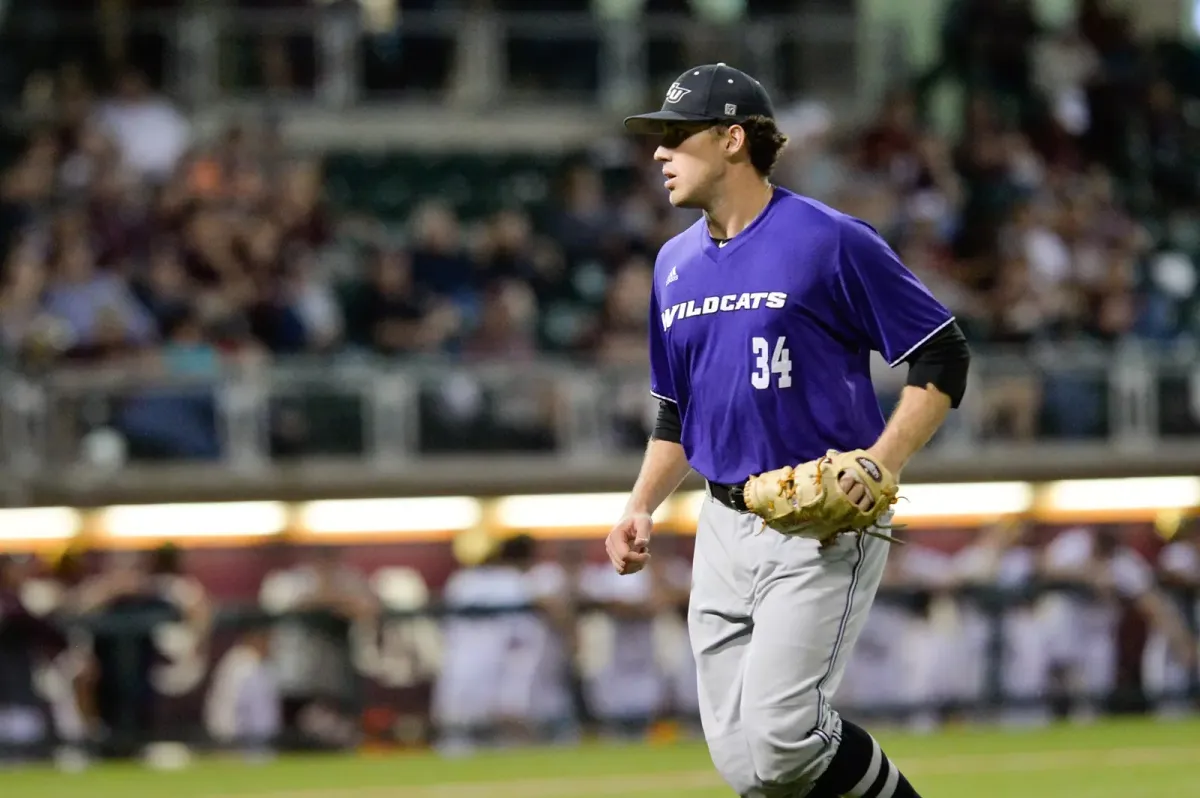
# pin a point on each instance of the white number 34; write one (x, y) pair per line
(767, 363)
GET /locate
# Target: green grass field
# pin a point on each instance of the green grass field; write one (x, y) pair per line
(1135, 759)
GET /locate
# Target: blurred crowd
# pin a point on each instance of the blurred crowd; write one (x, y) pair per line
(122, 238)
(531, 642)
(126, 238)
(122, 230)
(1065, 208)
(1057, 203)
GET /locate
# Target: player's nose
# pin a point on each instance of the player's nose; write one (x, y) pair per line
(662, 154)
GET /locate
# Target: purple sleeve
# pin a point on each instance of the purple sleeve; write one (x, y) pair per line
(661, 383)
(890, 308)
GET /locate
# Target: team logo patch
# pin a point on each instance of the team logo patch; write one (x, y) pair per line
(676, 93)
(774, 300)
(870, 468)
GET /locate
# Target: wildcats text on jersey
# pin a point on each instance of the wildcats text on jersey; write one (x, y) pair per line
(723, 304)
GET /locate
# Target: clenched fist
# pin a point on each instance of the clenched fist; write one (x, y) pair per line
(628, 544)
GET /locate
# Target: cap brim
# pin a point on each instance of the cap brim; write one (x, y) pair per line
(653, 123)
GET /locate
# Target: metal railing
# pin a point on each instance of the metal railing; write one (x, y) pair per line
(1043, 410)
(475, 59)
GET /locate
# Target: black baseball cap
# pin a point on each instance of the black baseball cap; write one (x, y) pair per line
(709, 93)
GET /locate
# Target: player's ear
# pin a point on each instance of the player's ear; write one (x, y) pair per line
(735, 139)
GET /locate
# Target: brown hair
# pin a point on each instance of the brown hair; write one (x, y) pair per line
(764, 142)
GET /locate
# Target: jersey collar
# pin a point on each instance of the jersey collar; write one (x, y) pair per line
(716, 252)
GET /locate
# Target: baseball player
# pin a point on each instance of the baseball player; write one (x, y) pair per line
(1166, 675)
(480, 676)
(764, 315)
(1102, 573)
(630, 608)
(1003, 557)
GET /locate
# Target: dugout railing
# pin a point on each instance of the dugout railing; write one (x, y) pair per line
(363, 426)
(483, 58)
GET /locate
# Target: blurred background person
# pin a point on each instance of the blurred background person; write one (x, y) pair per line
(1001, 573)
(535, 701)
(124, 652)
(187, 653)
(484, 690)
(323, 597)
(1100, 575)
(1169, 673)
(243, 708)
(929, 637)
(28, 640)
(625, 684)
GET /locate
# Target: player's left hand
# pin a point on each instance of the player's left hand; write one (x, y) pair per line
(823, 498)
(856, 492)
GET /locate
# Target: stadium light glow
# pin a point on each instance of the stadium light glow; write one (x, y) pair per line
(964, 500)
(39, 523)
(565, 510)
(173, 521)
(367, 516)
(687, 507)
(1132, 494)
(569, 515)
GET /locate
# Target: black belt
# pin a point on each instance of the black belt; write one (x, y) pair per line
(728, 495)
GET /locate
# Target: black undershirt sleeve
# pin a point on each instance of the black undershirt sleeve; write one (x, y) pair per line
(942, 361)
(668, 426)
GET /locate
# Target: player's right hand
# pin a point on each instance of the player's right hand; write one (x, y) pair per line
(628, 544)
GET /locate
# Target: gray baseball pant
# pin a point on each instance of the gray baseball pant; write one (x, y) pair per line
(772, 621)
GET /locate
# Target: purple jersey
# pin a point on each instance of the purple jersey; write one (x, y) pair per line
(765, 343)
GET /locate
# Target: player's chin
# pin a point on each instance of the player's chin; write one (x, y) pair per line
(681, 197)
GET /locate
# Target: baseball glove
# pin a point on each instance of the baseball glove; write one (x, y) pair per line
(808, 500)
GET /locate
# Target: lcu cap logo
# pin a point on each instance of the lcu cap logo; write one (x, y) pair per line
(870, 467)
(676, 93)
(674, 275)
